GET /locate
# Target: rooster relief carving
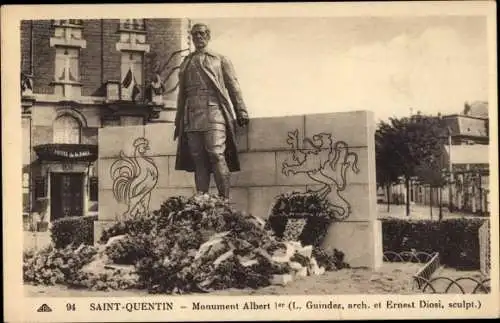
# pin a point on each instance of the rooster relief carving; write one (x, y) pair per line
(325, 163)
(133, 179)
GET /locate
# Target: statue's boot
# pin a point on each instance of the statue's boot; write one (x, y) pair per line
(223, 183)
(201, 175)
(222, 178)
(201, 162)
(216, 146)
(202, 179)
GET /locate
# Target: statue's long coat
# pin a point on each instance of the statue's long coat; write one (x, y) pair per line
(220, 72)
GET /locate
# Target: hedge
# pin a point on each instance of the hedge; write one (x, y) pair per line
(456, 240)
(73, 230)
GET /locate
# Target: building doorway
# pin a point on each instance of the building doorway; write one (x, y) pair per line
(66, 195)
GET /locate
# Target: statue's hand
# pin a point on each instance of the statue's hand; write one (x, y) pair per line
(243, 121)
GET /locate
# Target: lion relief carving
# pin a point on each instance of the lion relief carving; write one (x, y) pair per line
(326, 163)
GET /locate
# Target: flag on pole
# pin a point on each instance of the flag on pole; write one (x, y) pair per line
(128, 79)
(135, 90)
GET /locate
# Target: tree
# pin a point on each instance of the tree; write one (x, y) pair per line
(386, 175)
(431, 173)
(404, 145)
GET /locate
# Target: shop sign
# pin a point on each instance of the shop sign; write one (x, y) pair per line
(66, 152)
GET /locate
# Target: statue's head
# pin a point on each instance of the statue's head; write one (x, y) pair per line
(200, 34)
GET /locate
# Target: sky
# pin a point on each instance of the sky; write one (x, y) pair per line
(387, 65)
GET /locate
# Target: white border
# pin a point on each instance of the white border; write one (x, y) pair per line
(19, 308)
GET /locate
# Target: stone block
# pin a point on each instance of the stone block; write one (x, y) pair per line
(257, 169)
(162, 164)
(371, 127)
(112, 140)
(104, 173)
(109, 208)
(179, 178)
(351, 127)
(242, 138)
(361, 242)
(161, 138)
(355, 196)
(265, 134)
(43, 116)
(106, 182)
(377, 243)
(321, 161)
(261, 199)
(42, 135)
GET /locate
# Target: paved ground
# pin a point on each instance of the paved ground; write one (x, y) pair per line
(392, 278)
(418, 212)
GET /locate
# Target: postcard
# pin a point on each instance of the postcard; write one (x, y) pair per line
(207, 162)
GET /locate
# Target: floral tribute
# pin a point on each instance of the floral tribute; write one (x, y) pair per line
(196, 244)
(301, 216)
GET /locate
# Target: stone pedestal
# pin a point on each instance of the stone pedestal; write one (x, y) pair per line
(361, 242)
(267, 148)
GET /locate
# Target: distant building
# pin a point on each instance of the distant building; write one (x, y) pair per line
(81, 75)
(465, 162)
(471, 126)
(466, 157)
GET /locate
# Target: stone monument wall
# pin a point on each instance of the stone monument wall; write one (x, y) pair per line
(334, 153)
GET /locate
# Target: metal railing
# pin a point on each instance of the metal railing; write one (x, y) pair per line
(425, 283)
(478, 285)
(424, 274)
(408, 256)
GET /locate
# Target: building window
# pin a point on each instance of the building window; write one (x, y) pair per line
(132, 36)
(67, 130)
(67, 65)
(68, 34)
(39, 187)
(131, 73)
(133, 24)
(93, 189)
(67, 22)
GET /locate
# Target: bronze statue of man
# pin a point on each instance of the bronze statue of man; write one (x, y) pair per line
(209, 107)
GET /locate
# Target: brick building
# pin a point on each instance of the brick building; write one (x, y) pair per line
(81, 75)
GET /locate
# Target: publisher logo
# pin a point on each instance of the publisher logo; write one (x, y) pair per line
(44, 308)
